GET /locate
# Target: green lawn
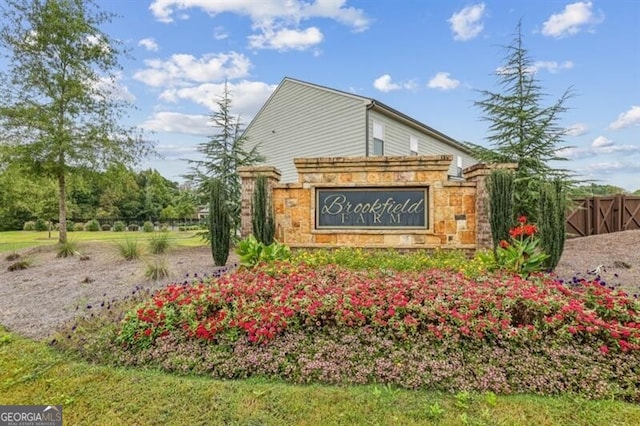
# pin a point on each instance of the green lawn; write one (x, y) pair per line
(16, 240)
(34, 373)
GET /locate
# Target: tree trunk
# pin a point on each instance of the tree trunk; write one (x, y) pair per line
(63, 209)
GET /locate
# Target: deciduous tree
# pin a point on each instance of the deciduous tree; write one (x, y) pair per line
(58, 105)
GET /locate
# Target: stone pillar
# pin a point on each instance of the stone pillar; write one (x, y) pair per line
(248, 176)
(478, 173)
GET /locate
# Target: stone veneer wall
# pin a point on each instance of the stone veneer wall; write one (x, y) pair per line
(457, 208)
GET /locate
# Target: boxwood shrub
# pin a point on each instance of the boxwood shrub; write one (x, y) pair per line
(92, 226)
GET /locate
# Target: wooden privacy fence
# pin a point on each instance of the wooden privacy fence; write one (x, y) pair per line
(602, 215)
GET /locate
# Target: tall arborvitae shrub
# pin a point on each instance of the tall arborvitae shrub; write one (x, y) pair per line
(500, 187)
(551, 224)
(263, 224)
(219, 223)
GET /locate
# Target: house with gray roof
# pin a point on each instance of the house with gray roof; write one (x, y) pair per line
(303, 120)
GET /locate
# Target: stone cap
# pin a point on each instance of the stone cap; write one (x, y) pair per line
(482, 169)
(255, 171)
(388, 163)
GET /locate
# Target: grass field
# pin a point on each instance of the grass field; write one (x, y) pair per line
(16, 240)
(34, 373)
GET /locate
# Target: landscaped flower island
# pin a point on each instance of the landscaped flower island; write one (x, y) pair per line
(437, 321)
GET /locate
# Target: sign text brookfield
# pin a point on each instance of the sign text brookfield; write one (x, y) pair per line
(371, 208)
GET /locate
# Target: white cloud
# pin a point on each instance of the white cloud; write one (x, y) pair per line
(626, 119)
(577, 129)
(467, 23)
(149, 44)
(183, 68)
(247, 96)
(443, 81)
(174, 122)
(610, 167)
(272, 18)
(286, 39)
(552, 66)
(600, 146)
(384, 84)
(601, 142)
(571, 20)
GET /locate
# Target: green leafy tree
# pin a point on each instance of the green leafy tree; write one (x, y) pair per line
(186, 203)
(169, 213)
(521, 129)
(24, 198)
(58, 107)
(157, 193)
(120, 194)
(224, 153)
(84, 194)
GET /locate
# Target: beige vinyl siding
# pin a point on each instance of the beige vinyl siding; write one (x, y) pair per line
(398, 136)
(301, 120)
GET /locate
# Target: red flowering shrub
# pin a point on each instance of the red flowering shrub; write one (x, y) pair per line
(437, 305)
(522, 255)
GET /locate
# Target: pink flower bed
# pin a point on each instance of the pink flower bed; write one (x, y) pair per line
(263, 304)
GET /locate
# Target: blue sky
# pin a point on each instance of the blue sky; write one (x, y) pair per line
(426, 58)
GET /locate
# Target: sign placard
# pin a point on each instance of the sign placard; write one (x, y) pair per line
(372, 208)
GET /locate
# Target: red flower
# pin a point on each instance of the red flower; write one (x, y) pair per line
(148, 332)
(522, 219)
(604, 349)
(515, 232)
(530, 229)
(504, 244)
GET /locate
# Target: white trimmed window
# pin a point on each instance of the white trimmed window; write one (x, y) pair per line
(413, 145)
(378, 138)
(459, 171)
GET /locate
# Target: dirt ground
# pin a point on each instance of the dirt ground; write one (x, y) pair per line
(34, 302)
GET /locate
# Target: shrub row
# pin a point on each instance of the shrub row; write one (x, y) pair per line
(93, 226)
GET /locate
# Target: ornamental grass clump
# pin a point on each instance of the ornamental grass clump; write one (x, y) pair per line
(157, 269)
(159, 243)
(66, 249)
(129, 249)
